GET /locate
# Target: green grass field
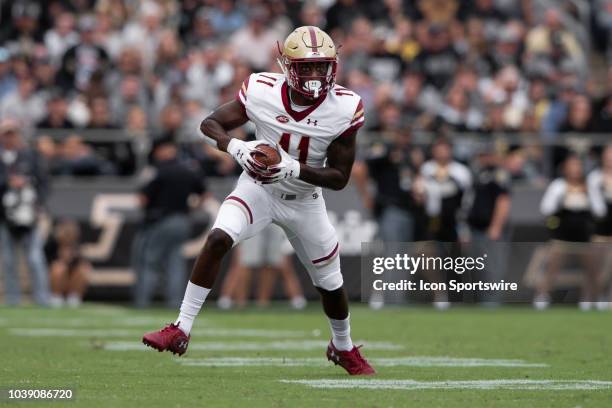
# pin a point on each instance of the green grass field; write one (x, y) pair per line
(460, 358)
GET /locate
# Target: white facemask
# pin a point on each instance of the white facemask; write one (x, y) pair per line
(313, 86)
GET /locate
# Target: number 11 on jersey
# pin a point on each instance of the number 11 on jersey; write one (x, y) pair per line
(302, 146)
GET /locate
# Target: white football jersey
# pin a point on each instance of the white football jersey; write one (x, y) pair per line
(304, 134)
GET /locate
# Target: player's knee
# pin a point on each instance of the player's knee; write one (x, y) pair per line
(328, 281)
(218, 242)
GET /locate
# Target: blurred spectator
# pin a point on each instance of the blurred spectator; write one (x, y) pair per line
(438, 59)
(68, 269)
(457, 113)
(8, 82)
(44, 72)
(81, 61)
(490, 205)
(521, 167)
(137, 124)
(488, 216)
(603, 108)
(23, 104)
(226, 17)
(341, 14)
(311, 14)
(570, 207)
(57, 114)
(107, 34)
(552, 41)
(446, 182)
(202, 31)
(506, 50)
(393, 167)
(75, 158)
(23, 189)
(600, 180)
(401, 41)
(100, 117)
(579, 117)
(438, 11)
(565, 92)
(23, 30)
(144, 31)
(257, 35)
(510, 90)
(131, 92)
(61, 37)
(166, 226)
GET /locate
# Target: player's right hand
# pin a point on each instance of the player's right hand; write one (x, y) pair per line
(242, 152)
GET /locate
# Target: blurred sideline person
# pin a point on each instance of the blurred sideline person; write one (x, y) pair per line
(488, 217)
(445, 184)
(69, 271)
(166, 225)
(269, 255)
(570, 207)
(600, 180)
(23, 189)
(393, 168)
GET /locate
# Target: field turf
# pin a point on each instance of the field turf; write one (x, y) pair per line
(465, 357)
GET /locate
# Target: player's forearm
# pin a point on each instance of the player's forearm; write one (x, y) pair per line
(213, 129)
(327, 177)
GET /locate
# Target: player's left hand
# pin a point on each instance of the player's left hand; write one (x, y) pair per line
(288, 168)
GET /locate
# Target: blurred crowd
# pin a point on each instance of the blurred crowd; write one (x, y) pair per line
(154, 68)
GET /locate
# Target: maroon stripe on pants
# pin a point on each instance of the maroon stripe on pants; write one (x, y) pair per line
(241, 201)
(325, 258)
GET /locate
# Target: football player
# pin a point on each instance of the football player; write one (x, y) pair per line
(313, 123)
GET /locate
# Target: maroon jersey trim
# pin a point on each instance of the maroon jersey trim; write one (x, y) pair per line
(298, 116)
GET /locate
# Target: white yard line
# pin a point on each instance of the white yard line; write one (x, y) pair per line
(420, 361)
(507, 384)
(249, 333)
(253, 346)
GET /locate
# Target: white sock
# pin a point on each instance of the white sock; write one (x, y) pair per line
(341, 333)
(192, 303)
(73, 300)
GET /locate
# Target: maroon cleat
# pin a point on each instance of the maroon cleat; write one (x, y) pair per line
(352, 361)
(169, 338)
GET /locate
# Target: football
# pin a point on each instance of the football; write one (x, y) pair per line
(266, 155)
